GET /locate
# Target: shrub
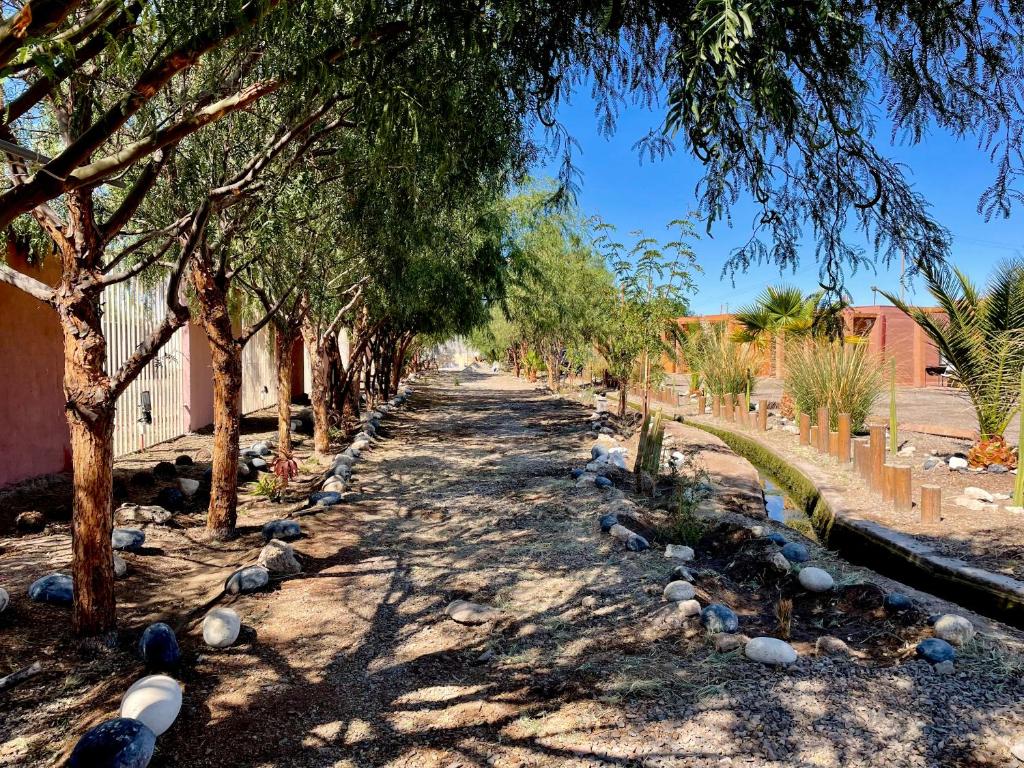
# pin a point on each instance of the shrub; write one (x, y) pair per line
(725, 366)
(845, 378)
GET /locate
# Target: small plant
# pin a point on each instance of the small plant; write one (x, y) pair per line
(993, 450)
(845, 378)
(894, 446)
(725, 365)
(285, 470)
(267, 486)
(691, 487)
(784, 616)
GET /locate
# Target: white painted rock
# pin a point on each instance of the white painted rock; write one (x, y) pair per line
(141, 513)
(980, 494)
(976, 505)
(815, 579)
(678, 591)
(154, 701)
(334, 484)
(279, 557)
(465, 612)
(1017, 750)
(769, 650)
(120, 566)
(221, 627)
(955, 630)
(5, 599)
(679, 552)
(1014, 510)
(188, 486)
(957, 462)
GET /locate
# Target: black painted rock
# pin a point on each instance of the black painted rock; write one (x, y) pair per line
(607, 521)
(895, 602)
(164, 470)
(325, 498)
(285, 530)
(171, 498)
(719, 618)
(261, 449)
(119, 743)
(158, 646)
(778, 538)
(935, 651)
(54, 588)
(247, 579)
(576, 474)
(602, 482)
(259, 464)
(184, 461)
(127, 539)
(30, 522)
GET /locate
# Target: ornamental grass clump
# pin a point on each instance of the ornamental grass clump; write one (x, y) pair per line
(725, 366)
(845, 378)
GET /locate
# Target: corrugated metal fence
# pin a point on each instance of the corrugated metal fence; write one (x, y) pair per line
(259, 379)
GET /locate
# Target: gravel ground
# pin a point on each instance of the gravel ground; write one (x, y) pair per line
(466, 496)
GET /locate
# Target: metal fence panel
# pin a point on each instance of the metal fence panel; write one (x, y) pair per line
(259, 380)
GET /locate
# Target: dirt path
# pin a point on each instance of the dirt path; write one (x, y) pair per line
(466, 496)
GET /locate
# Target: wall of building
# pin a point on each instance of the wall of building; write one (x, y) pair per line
(34, 436)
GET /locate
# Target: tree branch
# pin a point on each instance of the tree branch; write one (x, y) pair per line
(29, 285)
(34, 19)
(135, 196)
(255, 328)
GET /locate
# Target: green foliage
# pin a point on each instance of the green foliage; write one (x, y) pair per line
(268, 486)
(725, 366)
(845, 378)
(691, 487)
(784, 310)
(980, 336)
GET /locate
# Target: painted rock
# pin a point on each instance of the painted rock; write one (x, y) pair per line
(602, 482)
(576, 473)
(607, 521)
(465, 612)
(54, 588)
(5, 599)
(119, 743)
(154, 701)
(164, 470)
(259, 464)
(120, 566)
(127, 539)
(159, 647)
(815, 579)
(954, 629)
(678, 591)
(183, 461)
(171, 498)
(324, 498)
(895, 602)
(334, 484)
(261, 449)
(221, 627)
(770, 650)
(935, 651)
(719, 618)
(778, 538)
(795, 552)
(285, 530)
(247, 579)
(679, 552)
(188, 486)
(279, 557)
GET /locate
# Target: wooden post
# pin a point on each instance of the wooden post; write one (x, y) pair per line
(833, 444)
(814, 435)
(702, 403)
(823, 430)
(901, 493)
(716, 405)
(739, 415)
(805, 429)
(844, 438)
(888, 482)
(730, 411)
(931, 504)
(876, 440)
(861, 462)
(762, 415)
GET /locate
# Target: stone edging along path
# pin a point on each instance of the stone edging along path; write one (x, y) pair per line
(868, 543)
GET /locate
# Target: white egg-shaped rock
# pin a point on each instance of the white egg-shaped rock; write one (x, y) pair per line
(678, 591)
(221, 627)
(770, 650)
(815, 579)
(155, 701)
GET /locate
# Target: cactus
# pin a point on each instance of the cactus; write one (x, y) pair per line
(893, 437)
(1018, 487)
(648, 459)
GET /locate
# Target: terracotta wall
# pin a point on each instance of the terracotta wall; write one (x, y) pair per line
(33, 433)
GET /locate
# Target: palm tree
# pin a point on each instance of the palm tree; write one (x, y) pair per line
(784, 311)
(980, 335)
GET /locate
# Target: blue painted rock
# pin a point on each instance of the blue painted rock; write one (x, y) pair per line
(778, 538)
(260, 465)
(796, 553)
(158, 646)
(127, 539)
(119, 743)
(602, 482)
(183, 461)
(5, 599)
(285, 530)
(207, 478)
(54, 588)
(576, 474)
(354, 451)
(597, 451)
(607, 521)
(260, 449)
(895, 602)
(164, 470)
(171, 498)
(637, 543)
(325, 498)
(247, 579)
(935, 651)
(719, 618)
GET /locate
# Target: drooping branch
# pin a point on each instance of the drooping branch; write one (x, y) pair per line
(29, 285)
(135, 196)
(256, 327)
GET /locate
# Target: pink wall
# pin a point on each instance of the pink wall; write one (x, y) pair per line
(33, 433)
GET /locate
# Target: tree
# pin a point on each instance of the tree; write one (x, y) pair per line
(980, 334)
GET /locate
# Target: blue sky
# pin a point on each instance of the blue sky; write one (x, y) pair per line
(632, 195)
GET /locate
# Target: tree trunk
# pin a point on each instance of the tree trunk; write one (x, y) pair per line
(283, 342)
(227, 412)
(90, 417)
(318, 394)
(623, 394)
